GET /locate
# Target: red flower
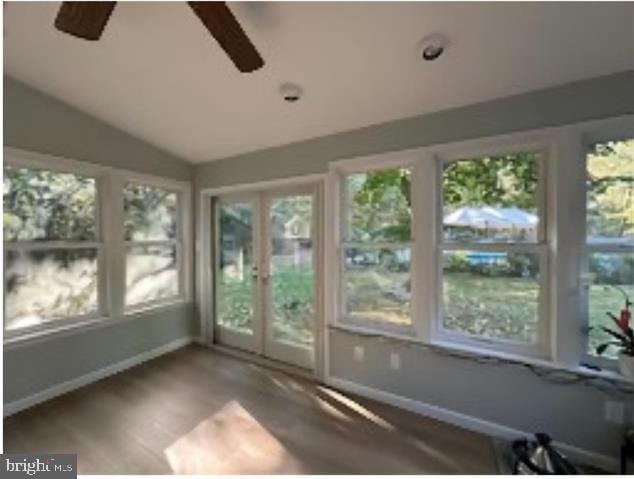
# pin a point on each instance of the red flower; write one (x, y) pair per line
(624, 321)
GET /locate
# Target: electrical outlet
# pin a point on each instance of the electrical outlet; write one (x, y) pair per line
(359, 353)
(395, 361)
(615, 412)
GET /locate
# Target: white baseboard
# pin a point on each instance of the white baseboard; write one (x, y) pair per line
(607, 463)
(91, 377)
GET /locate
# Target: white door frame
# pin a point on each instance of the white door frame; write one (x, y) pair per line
(205, 256)
(242, 340)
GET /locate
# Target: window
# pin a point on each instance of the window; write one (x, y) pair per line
(153, 246)
(492, 250)
(52, 247)
(376, 249)
(86, 243)
(609, 234)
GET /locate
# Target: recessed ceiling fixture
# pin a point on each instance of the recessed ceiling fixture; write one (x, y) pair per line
(291, 92)
(433, 46)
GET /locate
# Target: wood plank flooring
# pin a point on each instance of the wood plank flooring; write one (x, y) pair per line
(195, 411)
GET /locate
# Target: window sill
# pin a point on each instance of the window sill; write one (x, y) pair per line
(484, 354)
(376, 332)
(153, 307)
(27, 338)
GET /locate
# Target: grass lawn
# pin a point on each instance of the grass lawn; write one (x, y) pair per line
(601, 300)
(492, 307)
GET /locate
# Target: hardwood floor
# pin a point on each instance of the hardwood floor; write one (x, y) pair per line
(195, 411)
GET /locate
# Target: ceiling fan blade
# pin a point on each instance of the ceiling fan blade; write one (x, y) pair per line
(84, 19)
(224, 27)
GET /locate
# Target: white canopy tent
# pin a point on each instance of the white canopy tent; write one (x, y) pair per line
(491, 218)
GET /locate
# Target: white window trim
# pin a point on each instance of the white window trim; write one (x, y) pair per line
(110, 243)
(587, 135)
(564, 171)
(179, 242)
(543, 145)
(336, 242)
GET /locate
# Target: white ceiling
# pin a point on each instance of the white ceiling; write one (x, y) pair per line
(159, 75)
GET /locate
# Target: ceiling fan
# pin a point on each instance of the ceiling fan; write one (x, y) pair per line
(87, 20)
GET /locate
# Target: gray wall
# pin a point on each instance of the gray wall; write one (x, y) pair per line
(587, 100)
(508, 395)
(505, 395)
(36, 122)
(35, 367)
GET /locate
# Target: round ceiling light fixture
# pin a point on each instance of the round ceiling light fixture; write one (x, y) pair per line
(433, 46)
(291, 92)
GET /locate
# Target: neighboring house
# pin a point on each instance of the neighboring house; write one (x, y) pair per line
(297, 228)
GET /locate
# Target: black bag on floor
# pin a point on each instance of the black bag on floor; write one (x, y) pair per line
(539, 457)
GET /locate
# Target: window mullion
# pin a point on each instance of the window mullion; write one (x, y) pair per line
(115, 245)
(424, 287)
(566, 222)
(493, 247)
(152, 243)
(52, 245)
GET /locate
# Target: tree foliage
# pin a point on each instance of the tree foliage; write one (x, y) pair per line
(44, 205)
(150, 213)
(379, 206)
(499, 181)
(610, 185)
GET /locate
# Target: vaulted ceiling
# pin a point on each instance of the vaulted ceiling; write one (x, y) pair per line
(157, 74)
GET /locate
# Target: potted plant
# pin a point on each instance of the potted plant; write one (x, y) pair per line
(622, 338)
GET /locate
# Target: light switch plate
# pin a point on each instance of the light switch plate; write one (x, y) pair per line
(615, 412)
(395, 361)
(359, 353)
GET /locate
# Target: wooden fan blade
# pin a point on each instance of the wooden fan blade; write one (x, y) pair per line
(84, 19)
(224, 27)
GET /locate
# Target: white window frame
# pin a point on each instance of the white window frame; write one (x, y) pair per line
(587, 135)
(543, 146)
(563, 312)
(336, 242)
(178, 242)
(110, 242)
(29, 160)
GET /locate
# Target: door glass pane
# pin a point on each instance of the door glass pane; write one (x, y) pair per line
(235, 285)
(292, 272)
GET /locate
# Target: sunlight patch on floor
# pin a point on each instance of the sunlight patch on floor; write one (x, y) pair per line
(358, 408)
(332, 410)
(231, 441)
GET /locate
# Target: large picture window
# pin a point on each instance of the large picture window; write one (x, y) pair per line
(376, 249)
(609, 235)
(492, 249)
(152, 244)
(52, 247)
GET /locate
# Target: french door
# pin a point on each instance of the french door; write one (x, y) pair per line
(266, 271)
